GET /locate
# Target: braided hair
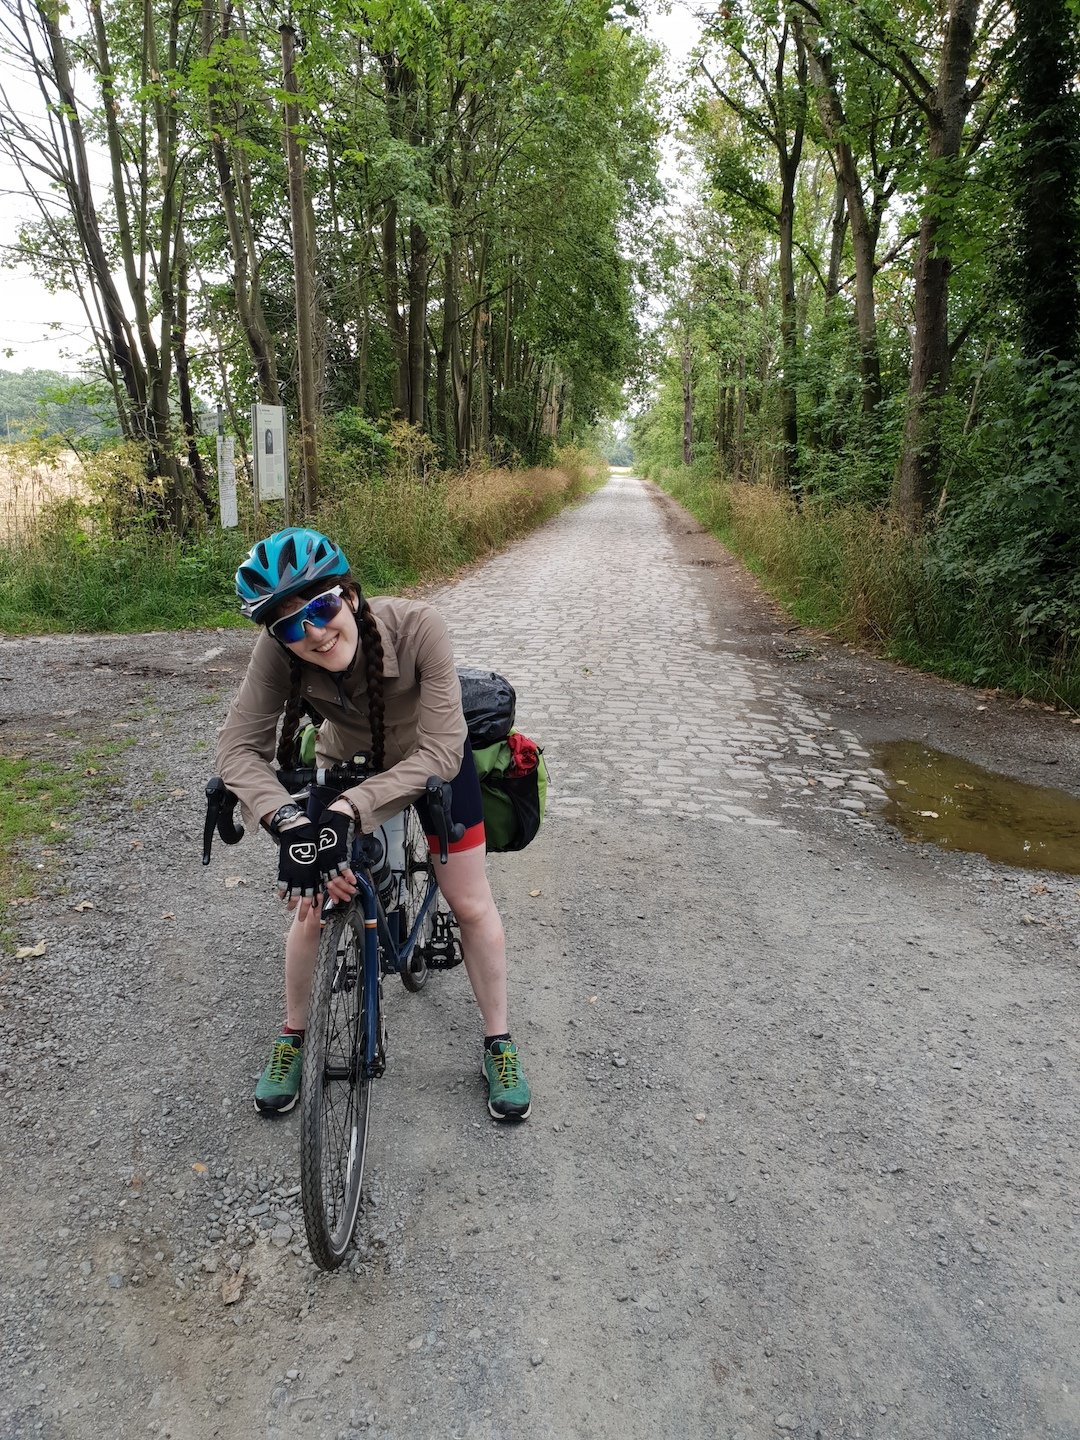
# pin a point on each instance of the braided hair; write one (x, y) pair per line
(373, 665)
(371, 646)
(290, 722)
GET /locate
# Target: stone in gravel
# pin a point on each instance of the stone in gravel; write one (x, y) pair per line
(787, 1422)
(536, 1358)
(281, 1234)
(115, 1281)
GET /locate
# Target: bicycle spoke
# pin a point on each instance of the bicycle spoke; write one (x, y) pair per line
(335, 1100)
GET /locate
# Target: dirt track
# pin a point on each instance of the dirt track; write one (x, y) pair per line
(803, 1157)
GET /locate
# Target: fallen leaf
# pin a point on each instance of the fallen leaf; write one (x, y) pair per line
(810, 780)
(535, 893)
(232, 881)
(963, 785)
(167, 915)
(231, 1287)
(700, 1116)
(91, 771)
(1031, 920)
(136, 844)
(178, 794)
(1039, 889)
(30, 952)
(56, 825)
(928, 814)
(199, 1168)
(980, 707)
(592, 999)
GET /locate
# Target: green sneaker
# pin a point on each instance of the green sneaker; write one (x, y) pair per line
(279, 1084)
(508, 1090)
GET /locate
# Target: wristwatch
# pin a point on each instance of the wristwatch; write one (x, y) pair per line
(283, 817)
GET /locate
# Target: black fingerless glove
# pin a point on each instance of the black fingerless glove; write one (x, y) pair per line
(298, 862)
(335, 844)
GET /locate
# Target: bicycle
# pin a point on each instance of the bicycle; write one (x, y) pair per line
(396, 923)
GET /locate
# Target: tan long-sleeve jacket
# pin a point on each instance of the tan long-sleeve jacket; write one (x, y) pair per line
(424, 727)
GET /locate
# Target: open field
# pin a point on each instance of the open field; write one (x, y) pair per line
(25, 487)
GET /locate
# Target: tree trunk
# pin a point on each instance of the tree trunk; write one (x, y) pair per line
(687, 401)
(863, 235)
(917, 474)
(394, 320)
(303, 277)
(418, 290)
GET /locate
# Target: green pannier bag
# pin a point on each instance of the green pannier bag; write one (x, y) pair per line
(513, 786)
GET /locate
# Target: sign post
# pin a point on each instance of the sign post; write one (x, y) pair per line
(268, 448)
(226, 470)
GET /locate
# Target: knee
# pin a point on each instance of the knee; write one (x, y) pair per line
(477, 910)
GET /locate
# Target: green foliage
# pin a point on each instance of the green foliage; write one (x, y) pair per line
(1010, 538)
(46, 403)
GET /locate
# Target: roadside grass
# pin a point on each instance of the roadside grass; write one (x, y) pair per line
(848, 571)
(40, 796)
(81, 569)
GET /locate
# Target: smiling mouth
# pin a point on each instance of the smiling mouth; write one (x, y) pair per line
(327, 647)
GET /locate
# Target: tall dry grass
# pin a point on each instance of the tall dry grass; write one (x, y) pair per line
(849, 570)
(94, 567)
(32, 479)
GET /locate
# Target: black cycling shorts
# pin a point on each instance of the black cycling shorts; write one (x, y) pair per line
(466, 807)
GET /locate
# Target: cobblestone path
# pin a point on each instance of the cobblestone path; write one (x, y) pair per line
(619, 663)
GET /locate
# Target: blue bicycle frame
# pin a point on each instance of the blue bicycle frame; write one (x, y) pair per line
(379, 939)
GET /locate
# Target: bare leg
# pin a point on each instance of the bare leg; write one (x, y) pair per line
(301, 953)
(463, 881)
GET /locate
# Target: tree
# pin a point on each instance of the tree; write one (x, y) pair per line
(1045, 66)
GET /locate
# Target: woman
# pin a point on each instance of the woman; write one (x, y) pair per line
(381, 673)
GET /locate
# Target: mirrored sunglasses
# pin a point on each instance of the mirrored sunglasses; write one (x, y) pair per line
(318, 611)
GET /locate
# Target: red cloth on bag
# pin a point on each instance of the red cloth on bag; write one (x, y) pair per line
(526, 755)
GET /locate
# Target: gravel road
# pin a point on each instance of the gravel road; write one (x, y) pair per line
(802, 1160)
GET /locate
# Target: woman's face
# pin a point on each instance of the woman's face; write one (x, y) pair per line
(334, 646)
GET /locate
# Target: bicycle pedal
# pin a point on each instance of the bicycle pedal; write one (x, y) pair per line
(444, 957)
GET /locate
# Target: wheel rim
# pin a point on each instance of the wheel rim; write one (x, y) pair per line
(344, 1096)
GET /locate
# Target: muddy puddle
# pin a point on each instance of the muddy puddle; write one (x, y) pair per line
(960, 806)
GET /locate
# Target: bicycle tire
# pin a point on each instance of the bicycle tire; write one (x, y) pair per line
(334, 1095)
(419, 870)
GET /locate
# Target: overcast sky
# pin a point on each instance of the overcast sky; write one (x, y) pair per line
(48, 332)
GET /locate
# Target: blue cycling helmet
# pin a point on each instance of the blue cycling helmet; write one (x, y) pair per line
(284, 564)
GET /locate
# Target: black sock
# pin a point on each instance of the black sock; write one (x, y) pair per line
(489, 1040)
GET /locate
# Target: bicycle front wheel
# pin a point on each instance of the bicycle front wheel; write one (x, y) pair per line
(335, 1094)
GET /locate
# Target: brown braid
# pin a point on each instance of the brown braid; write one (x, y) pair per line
(373, 664)
(291, 719)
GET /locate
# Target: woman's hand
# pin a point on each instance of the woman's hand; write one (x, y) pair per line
(336, 829)
(299, 882)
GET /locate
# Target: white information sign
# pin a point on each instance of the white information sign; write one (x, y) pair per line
(268, 447)
(226, 472)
